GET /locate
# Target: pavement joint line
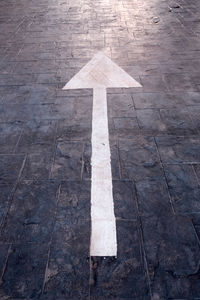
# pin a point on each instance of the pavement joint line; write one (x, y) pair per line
(166, 182)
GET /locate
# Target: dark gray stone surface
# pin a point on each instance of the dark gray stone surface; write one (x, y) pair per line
(68, 271)
(9, 136)
(31, 215)
(37, 136)
(139, 158)
(68, 161)
(10, 166)
(45, 150)
(153, 198)
(179, 149)
(123, 277)
(173, 257)
(37, 166)
(74, 201)
(125, 200)
(25, 279)
(5, 198)
(183, 187)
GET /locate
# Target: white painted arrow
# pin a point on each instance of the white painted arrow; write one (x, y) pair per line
(101, 73)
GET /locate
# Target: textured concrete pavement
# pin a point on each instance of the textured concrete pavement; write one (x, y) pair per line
(45, 150)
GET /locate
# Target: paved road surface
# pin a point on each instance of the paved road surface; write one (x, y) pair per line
(45, 150)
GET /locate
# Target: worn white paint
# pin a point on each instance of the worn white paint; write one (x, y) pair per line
(101, 73)
(103, 236)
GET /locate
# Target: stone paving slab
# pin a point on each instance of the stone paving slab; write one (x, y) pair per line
(124, 277)
(45, 150)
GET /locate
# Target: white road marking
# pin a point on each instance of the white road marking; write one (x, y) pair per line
(103, 238)
(101, 73)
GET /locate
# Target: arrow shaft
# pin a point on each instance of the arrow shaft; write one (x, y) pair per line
(103, 235)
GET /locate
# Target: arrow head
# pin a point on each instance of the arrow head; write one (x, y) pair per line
(101, 72)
